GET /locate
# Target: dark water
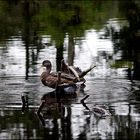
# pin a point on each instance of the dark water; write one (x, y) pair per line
(81, 40)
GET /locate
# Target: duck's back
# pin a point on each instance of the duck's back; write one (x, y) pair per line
(51, 80)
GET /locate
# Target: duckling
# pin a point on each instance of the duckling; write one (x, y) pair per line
(69, 75)
(98, 111)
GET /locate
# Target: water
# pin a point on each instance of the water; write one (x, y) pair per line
(21, 55)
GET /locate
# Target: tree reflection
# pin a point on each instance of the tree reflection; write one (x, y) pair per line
(71, 50)
(30, 33)
(127, 39)
(130, 35)
(69, 19)
(32, 19)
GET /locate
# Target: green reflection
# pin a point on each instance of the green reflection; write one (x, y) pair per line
(19, 126)
(127, 39)
(32, 19)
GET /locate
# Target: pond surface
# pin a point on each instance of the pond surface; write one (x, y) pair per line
(21, 55)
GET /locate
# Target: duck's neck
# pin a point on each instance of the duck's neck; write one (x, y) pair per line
(44, 75)
(44, 69)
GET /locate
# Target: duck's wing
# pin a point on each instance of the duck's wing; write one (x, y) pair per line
(50, 81)
(75, 71)
(70, 70)
(86, 71)
(64, 67)
(64, 76)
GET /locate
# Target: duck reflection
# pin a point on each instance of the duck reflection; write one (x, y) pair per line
(54, 113)
(55, 104)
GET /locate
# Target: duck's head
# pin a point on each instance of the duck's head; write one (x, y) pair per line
(47, 64)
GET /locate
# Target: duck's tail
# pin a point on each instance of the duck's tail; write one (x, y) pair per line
(86, 71)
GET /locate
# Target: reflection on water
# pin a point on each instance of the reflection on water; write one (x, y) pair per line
(74, 121)
(88, 33)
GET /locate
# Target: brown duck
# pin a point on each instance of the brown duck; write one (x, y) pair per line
(69, 75)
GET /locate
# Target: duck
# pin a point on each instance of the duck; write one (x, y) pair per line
(69, 75)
